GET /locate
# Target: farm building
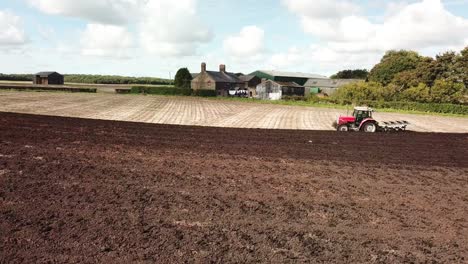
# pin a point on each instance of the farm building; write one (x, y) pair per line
(221, 81)
(275, 90)
(325, 86)
(46, 78)
(280, 76)
(251, 82)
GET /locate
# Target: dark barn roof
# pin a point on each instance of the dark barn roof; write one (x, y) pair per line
(46, 73)
(289, 84)
(246, 78)
(225, 77)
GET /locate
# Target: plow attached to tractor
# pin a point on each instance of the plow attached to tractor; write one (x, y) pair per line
(362, 120)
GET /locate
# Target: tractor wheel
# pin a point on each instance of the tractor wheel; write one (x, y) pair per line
(343, 128)
(370, 128)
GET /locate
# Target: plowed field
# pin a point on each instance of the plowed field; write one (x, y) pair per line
(75, 190)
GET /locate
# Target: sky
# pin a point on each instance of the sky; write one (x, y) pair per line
(157, 37)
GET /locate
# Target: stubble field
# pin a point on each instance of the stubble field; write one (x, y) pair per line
(202, 112)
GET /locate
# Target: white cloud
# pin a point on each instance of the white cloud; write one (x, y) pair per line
(106, 41)
(172, 28)
(321, 17)
(320, 59)
(422, 25)
(353, 40)
(164, 27)
(100, 11)
(322, 9)
(12, 32)
(412, 26)
(249, 42)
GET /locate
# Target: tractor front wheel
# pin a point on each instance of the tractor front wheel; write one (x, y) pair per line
(343, 128)
(370, 128)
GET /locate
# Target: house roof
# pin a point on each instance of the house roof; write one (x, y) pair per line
(329, 83)
(289, 84)
(286, 84)
(293, 74)
(45, 73)
(224, 77)
(247, 78)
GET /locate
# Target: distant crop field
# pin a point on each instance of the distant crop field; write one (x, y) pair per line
(202, 112)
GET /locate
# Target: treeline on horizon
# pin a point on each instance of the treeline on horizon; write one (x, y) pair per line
(406, 76)
(93, 79)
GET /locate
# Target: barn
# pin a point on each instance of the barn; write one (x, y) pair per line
(48, 78)
(275, 90)
(326, 86)
(281, 76)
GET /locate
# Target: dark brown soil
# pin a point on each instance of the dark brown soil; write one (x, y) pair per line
(89, 191)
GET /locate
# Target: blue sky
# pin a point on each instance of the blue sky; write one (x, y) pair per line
(156, 37)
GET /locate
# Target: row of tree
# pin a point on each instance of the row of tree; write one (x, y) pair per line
(94, 79)
(112, 79)
(443, 91)
(408, 76)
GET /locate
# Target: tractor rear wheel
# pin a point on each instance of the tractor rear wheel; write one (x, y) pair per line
(343, 128)
(370, 128)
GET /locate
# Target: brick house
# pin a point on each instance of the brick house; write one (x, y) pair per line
(221, 81)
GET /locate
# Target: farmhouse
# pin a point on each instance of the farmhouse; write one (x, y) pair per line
(276, 90)
(221, 81)
(325, 86)
(48, 78)
(280, 76)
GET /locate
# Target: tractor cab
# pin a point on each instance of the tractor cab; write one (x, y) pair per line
(361, 113)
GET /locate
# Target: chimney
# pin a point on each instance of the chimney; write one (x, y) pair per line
(203, 67)
(222, 68)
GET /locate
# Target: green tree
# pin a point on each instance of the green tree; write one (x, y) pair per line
(425, 72)
(420, 93)
(183, 78)
(445, 91)
(360, 91)
(351, 74)
(446, 67)
(462, 65)
(392, 63)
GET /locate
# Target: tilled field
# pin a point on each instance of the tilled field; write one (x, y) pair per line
(75, 190)
(202, 112)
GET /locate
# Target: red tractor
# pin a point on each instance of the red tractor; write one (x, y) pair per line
(362, 120)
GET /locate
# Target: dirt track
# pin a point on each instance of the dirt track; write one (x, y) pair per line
(88, 191)
(201, 112)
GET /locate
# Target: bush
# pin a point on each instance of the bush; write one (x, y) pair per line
(294, 98)
(447, 92)
(183, 79)
(420, 93)
(204, 93)
(169, 90)
(163, 90)
(313, 98)
(359, 91)
(423, 107)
